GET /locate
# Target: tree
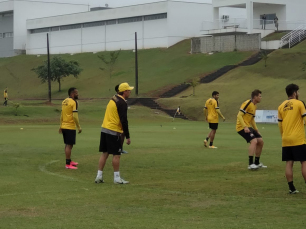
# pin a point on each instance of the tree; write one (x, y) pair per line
(264, 56)
(110, 62)
(59, 68)
(193, 84)
(16, 106)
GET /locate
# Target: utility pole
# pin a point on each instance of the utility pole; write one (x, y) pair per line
(49, 75)
(136, 65)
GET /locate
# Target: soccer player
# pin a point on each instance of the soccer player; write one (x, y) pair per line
(291, 120)
(211, 112)
(114, 124)
(5, 97)
(69, 122)
(247, 128)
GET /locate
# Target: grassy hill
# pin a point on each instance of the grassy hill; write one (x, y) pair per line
(159, 69)
(284, 66)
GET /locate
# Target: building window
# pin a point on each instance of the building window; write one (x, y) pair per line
(93, 24)
(7, 34)
(55, 28)
(43, 30)
(111, 22)
(67, 27)
(155, 17)
(130, 19)
(269, 18)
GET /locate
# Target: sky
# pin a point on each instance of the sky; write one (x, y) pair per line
(117, 3)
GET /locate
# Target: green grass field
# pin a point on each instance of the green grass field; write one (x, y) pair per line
(175, 181)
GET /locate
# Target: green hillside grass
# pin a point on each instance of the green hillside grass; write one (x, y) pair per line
(284, 67)
(159, 69)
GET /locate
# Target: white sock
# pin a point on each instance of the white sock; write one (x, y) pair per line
(116, 175)
(99, 173)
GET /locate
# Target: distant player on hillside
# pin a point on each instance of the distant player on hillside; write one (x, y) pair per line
(177, 112)
(247, 128)
(211, 113)
(5, 97)
(69, 122)
(291, 120)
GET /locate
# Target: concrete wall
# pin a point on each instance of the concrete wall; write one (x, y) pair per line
(185, 19)
(227, 43)
(6, 44)
(270, 45)
(232, 12)
(150, 34)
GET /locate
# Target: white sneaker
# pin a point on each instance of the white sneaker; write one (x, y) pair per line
(261, 165)
(121, 181)
(293, 192)
(253, 167)
(99, 180)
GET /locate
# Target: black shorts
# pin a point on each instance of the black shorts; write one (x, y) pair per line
(294, 153)
(110, 144)
(69, 136)
(213, 126)
(249, 136)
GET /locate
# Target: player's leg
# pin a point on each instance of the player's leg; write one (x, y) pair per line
(303, 164)
(289, 177)
(103, 148)
(251, 153)
(69, 140)
(212, 136)
(68, 150)
(213, 127)
(206, 139)
(115, 149)
(102, 162)
(259, 146)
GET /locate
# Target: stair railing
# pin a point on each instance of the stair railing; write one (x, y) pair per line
(294, 37)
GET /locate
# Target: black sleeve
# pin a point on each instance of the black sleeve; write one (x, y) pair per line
(122, 111)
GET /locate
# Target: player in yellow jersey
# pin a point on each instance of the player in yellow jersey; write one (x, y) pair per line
(68, 124)
(247, 128)
(114, 124)
(5, 97)
(211, 113)
(291, 120)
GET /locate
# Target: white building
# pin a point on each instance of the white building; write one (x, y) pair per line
(290, 14)
(159, 24)
(13, 16)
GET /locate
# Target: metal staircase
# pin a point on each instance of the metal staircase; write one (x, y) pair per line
(294, 37)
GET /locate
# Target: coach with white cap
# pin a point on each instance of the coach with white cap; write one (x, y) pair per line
(114, 124)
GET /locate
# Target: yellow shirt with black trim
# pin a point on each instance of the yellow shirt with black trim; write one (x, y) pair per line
(212, 105)
(248, 108)
(5, 95)
(115, 118)
(291, 113)
(69, 106)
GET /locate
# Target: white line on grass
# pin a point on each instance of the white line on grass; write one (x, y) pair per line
(44, 170)
(40, 192)
(142, 186)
